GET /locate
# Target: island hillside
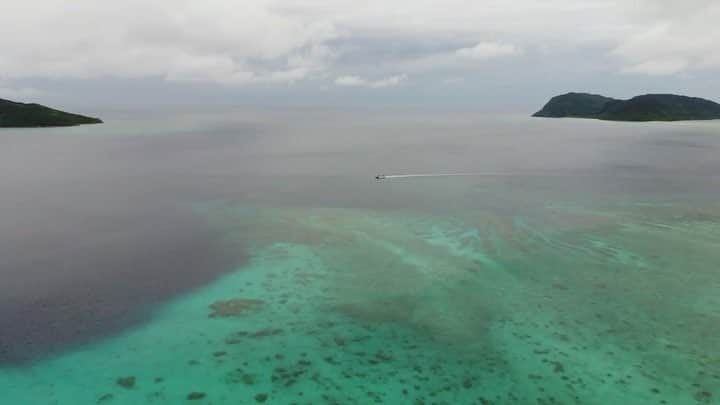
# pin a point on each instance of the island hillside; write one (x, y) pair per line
(19, 115)
(649, 107)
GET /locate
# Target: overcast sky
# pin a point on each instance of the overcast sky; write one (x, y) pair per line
(494, 55)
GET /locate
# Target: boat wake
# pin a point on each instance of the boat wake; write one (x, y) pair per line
(404, 176)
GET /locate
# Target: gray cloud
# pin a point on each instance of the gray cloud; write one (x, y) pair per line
(19, 93)
(355, 81)
(488, 51)
(343, 43)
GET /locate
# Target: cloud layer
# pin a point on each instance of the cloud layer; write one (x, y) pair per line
(676, 40)
(488, 50)
(344, 41)
(354, 81)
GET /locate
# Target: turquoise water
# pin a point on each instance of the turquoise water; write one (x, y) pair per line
(596, 282)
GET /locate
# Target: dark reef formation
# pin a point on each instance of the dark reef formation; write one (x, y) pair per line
(649, 107)
(21, 115)
(194, 396)
(126, 382)
(234, 307)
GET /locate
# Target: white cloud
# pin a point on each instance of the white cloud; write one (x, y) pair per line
(658, 67)
(462, 59)
(355, 81)
(675, 39)
(350, 81)
(214, 40)
(488, 50)
(269, 41)
(390, 81)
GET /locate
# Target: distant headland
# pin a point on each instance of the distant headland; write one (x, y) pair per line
(21, 115)
(648, 107)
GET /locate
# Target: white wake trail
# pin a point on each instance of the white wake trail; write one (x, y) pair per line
(401, 176)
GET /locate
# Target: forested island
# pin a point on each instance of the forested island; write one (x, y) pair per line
(21, 115)
(648, 107)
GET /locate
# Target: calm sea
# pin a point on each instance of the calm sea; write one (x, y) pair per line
(252, 257)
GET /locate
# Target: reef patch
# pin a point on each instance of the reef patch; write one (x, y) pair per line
(234, 307)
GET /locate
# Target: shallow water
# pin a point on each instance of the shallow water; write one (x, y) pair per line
(252, 258)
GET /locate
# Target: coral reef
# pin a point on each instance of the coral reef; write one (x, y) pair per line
(234, 307)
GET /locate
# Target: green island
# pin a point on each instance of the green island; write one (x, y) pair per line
(22, 115)
(648, 107)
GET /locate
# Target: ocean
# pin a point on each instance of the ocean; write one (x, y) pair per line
(238, 257)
